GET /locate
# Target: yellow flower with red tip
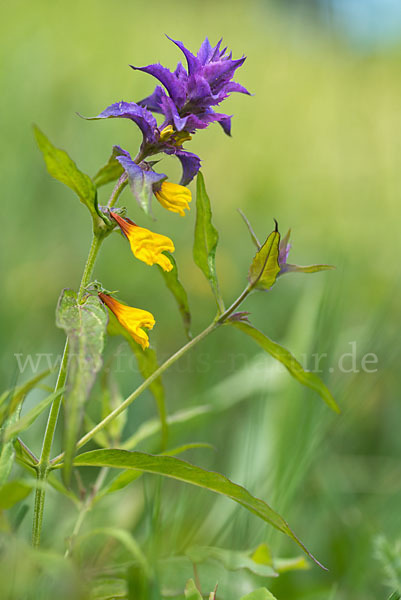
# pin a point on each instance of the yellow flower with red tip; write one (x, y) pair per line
(132, 319)
(174, 197)
(146, 245)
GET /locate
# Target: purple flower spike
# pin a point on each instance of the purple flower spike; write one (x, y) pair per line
(191, 93)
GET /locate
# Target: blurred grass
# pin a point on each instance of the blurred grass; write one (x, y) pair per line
(318, 148)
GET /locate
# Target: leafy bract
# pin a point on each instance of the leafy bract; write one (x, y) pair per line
(111, 171)
(281, 354)
(64, 169)
(177, 289)
(84, 325)
(265, 266)
(184, 471)
(206, 239)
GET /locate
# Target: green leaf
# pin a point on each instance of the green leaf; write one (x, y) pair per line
(260, 594)
(111, 399)
(288, 268)
(13, 492)
(251, 231)
(263, 556)
(108, 589)
(147, 364)
(191, 591)
(111, 171)
(101, 438)
(84, 325)
(16, 396)
(206, 239)
(281, 354)
(23, 456)
(232, 560)
(64, 169)
(179, 293)
(126, 477)
(29, 418)
(184, 471)
(265, 267)
(309, 269)
(7, 450)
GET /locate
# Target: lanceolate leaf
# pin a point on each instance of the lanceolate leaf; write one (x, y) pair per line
(260, 594)
(206, 239)
(177, 289)
(281, 354)
(309, 269)
(111, 171)
(265, 267)
(232, 560)
(11, 399)
(126, 477)
(250, 229)
(184, 471)
(29, 418)
(85, 326)
(147, 364)
(64, 169)
(191, 591)
(7, 450)
(13, 492)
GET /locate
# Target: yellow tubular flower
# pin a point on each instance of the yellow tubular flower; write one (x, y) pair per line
(146, 245)
(166, 133)
(132, 319)
(174, 197)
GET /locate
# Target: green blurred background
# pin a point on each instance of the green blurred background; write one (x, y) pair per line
(318, 148)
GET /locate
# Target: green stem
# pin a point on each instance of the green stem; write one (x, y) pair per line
(145, 384)
(90, 263)
(118, 188)
(44, 463)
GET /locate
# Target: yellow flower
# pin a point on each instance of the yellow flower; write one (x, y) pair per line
(132, 319)
(146, 245)
(174, 197)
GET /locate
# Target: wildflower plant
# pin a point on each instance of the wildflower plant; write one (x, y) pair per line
(184, 101)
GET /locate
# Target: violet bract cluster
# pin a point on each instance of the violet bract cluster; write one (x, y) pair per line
(185, 103)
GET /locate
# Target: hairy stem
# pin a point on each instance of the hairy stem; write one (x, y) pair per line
(43, 464)
(118, 188)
